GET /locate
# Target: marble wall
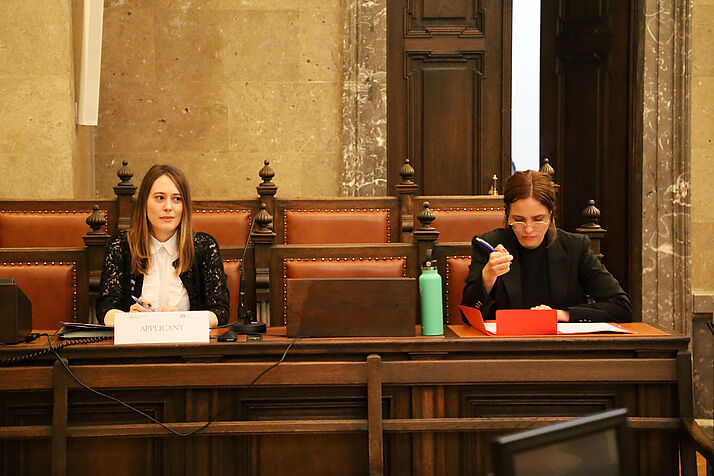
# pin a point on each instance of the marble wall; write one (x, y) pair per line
(666, 195)
(217, 86)
(364, 114)
(37, 132)
(702, 146)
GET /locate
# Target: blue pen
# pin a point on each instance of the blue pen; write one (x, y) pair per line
(138, 301)
(485, 244)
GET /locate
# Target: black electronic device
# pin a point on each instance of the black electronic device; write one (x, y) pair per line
(595, 445)
(15, 313)
(245, 323)
(81, 330)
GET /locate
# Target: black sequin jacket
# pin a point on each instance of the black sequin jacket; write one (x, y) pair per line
(205, 281)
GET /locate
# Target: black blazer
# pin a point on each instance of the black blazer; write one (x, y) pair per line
(205, 281)
(576, 277)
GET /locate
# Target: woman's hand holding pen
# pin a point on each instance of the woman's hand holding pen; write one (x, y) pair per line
(499, 263)
(142, 305)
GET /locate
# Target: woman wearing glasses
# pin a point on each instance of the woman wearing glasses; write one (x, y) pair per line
(537, 266)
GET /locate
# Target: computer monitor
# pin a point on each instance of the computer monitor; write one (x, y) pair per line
(596, 445)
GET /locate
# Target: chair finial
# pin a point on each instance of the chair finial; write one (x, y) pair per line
(426, 216)
(125, 175)
(591, 215)
(546, 168)
(407, 172)
(95, 220)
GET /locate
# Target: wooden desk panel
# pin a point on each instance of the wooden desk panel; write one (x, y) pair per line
(443, 399)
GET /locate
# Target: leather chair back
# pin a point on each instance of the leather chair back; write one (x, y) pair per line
(43, 229)
(51, 287)
(461, 225)
(336, 226)
(457, 268)
(232, 269)
(228, 227)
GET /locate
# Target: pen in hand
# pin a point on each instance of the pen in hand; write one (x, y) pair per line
(483, 242)
(140, 303)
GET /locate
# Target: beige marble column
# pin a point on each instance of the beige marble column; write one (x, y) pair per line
(666, 257)
(364, 114)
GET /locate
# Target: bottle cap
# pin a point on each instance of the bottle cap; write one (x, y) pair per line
(429, 262)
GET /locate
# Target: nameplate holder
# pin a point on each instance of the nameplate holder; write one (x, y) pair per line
(182, 327)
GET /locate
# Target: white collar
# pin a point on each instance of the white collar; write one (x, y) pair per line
(170, 245)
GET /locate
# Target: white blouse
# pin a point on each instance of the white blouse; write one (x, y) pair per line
(162, 286)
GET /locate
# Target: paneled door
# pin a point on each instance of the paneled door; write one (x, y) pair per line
(448, 80)
(587, 51)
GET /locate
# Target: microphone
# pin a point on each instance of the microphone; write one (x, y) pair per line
(244, 322)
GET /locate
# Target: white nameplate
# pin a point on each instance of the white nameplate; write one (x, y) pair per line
(161, 327)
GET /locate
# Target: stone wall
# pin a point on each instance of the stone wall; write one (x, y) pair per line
(37, 131)
(216, 87)
(702, 148)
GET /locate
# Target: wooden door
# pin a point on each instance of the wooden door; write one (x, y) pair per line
(448, 80)
(586, 51)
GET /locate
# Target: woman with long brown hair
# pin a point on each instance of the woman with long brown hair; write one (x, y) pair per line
(160, 259)
(537, 266)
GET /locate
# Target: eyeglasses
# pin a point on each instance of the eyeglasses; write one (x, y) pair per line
(537, 226)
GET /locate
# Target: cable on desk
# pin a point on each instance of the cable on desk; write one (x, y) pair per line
(37, 354)
(152, 419)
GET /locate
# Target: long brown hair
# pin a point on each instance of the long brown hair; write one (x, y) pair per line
(139, 231)
(530, 183)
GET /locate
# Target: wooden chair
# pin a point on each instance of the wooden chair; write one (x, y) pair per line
(458, 218)
(55, 281)
(453, 260)
(335, 261)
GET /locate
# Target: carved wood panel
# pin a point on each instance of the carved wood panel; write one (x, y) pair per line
(274, 454)
(434, 17)
(90, 456)
(445, 112)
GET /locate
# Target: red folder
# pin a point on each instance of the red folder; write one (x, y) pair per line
(474, 318)
(516, 321)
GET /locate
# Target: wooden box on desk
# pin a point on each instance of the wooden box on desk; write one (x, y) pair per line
(15, 313)
(351, 307)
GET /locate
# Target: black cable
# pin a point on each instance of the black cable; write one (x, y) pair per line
(37, 354)
(154, 420)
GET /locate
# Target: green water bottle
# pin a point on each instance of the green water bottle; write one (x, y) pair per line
(432, 311)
